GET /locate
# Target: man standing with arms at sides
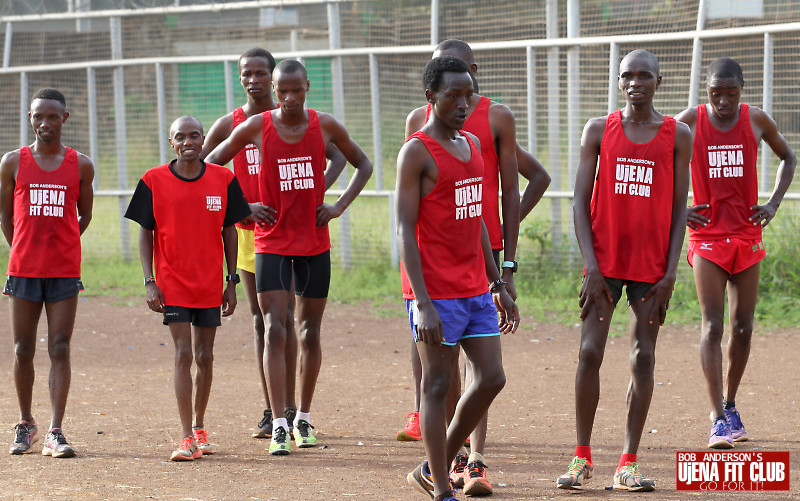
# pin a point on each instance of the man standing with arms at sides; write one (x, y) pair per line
(255, 75)
(725, 246)
(493, 124)
(294, 244)
(45, 196)
(444, 274)
(639, 185)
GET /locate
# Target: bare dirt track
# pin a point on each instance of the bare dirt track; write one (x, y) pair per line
(122, 415)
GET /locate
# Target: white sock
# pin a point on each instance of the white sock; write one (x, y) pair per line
(280, 423)
(305, 416)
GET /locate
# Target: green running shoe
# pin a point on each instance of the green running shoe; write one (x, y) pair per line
(303, 436)
(279, 445)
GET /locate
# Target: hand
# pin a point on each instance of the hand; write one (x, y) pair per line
(326, 212)
(595, 291)
(694, 219)
(229, 299)
(154, 298)
(661, 292)
(263, 214)
(429, 325)
(762, 214)
(508, 276)
(248, 220)
(507, 311)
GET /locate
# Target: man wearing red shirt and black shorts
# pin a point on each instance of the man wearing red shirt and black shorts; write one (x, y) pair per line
(725, 223)
(445, 274)
(45, 196)
(187, 209)
(255, 74)
(640, 185)
(293, 247)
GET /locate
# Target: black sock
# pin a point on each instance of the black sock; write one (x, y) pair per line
(728, 405)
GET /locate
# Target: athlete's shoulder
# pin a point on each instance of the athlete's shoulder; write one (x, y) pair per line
(687, 116)
(415, 120)
(222, 124)
(12, 156)
(473, 138)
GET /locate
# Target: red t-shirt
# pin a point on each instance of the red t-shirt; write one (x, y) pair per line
(449, 227)
(478, 124)
(725, 176)
(246, 166)
(292, 181)
(631, 206)
(187, 216)
(47, 238)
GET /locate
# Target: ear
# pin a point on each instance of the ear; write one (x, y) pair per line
(658, 81)
(308, 85)
(430, 96)
(473, 68)
(66, 115)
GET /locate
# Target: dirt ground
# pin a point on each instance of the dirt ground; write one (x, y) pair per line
(123, 419)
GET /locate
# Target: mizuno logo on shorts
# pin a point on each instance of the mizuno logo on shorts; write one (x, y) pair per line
(705, 246)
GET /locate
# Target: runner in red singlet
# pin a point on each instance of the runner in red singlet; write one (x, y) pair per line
(638, 186)
(725, 223)
(45, 196)
(255, 75)
(439, 183)
(294, 243)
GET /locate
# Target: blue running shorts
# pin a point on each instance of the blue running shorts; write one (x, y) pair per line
(461, 317)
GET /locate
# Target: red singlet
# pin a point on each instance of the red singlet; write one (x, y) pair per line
(632, 203)
(47, 238)
(449, 227)
(478, 124)
(292, 181)
(246, 166)
(724, 175)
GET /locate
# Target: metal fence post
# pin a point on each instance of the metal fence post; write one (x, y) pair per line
(161, 100)
(553, 120)
(530, 56)
(573, 90)
(613, 71)
(91, 94)
(121, 135)
(767, 107)
(7, 46)
(697, 55)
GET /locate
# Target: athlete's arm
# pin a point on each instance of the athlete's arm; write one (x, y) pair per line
(335, 166)
(538, 181)
(662, 290)
(415, 120)
(594, 286)
(8, 176)
(333, 131)
(247, 132)
(694, 215)
(230, 242)
(503, 300)
(504, 132)
(86, 196)
(415, 178)
(153, 296)
(763, 214)
(216, 134)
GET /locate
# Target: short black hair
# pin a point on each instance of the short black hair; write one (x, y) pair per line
(291, 66)
(645, 54)
(258, 52)
(48, 93)
(460, 47)
(437, 67)
(724, 67)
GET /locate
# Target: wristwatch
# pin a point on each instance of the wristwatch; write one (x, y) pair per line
(510, 264)
(233, 278)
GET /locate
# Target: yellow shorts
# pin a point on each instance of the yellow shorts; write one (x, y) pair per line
(246, 257)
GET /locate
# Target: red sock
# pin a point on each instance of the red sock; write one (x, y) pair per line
(627, 458)
(585, 452)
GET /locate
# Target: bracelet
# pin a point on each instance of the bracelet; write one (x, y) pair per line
(497, 283)
(150, 279)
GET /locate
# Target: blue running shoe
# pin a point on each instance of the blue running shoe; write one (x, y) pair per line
(721, 437)
(738, 432)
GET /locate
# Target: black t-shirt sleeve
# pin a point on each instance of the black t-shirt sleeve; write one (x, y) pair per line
(140, 208)
(237, 208)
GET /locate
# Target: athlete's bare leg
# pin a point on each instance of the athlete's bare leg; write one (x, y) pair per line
(182, 338)
(710, 281)
(291, 353)
(249, 283)
(309, 315)
(643, 336)
(594, 335)
(416, 371)
(477, 439)
(274, 306)
(204, 359)
(24, 321)
(60, 323)
(742, 297)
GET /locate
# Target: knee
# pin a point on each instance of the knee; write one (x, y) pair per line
(435, 387)
(590, 357)
(309, 337)
(204, 359)
(183, 358)
(712, 331)
(59, 351)
(258, 325)
(276, 336)
(23, 352)
(493, 382)
(742, 331)
(643, 362)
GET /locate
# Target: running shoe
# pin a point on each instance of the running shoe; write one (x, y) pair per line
(579, 472)
(264, 427)
(201, 439)
(290, 414)
(721, 437)
(280, 445)
(411, 433)
(25, 435)
(475, 483)
(457, 469)
(56, 445)
(738, 432)
(445, 497)
(187, 450)
(420, 479)
(303, 436)
(629, 478)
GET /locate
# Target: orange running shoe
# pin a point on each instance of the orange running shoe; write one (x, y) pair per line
(475, 483)
(457, 469)
(187, 451)
(201, 438)
(411, 433)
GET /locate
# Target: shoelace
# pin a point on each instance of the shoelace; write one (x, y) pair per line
(280, 435)
(476, 469)
(303, 426)
(22, 432)
(186, 444)
(719, 427)
(460, 463)
(577, 465)
(58, 436)
(632, 469)
(201, 435)
(734, 418)
(266, 419)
